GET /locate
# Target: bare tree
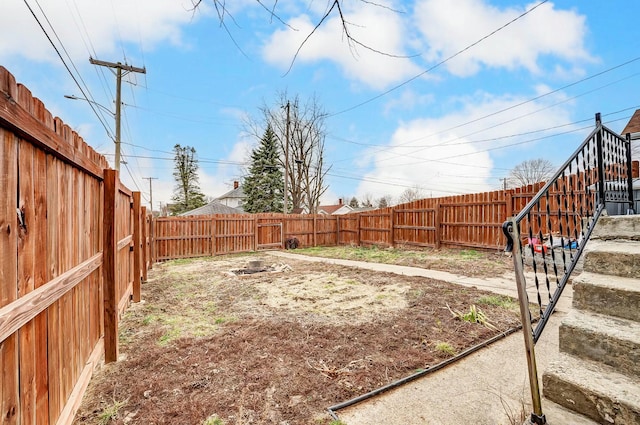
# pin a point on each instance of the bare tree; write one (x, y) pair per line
(529, 172)
(305, 167)
(334, 7)
(411, 194)
(367, 200)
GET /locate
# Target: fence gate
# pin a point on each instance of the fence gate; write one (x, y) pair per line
(269, 233)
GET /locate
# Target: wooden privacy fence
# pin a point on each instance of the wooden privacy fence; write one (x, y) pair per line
(465, 221)
(197, 236)
(72, 253)
(458, 221)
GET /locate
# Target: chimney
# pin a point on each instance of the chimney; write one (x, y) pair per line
(340, 201)
(236, 184)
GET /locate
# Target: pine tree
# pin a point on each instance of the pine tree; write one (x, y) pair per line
(264, 186)
(187, 194)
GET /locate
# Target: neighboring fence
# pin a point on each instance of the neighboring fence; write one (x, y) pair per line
(69, 246)
(473, 221)
(197, 236)
(549, 234)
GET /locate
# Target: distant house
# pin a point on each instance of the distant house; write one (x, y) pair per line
(234, 198)
(633, 128)
(341, 208)
(213, 207)
(361, 209)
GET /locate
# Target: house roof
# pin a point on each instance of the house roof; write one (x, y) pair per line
(213, 207)
(633, 126)
(329, 209)
(362, 209)
(233, 193)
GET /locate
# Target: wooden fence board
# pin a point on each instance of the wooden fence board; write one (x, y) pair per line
(9, 386)
(26, 283)
(51, 267)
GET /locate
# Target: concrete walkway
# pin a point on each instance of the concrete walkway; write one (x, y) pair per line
(488, 387)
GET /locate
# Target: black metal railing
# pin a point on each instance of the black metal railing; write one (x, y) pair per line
(548, 236)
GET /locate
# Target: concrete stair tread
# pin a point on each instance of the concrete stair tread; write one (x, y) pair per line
(617, 227)
(608, 281)
(598, 378)
(619, 257)
(608, 294)
(614, 327)
(621, 246)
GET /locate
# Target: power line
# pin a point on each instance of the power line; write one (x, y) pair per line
(526, 12)
(628, 62)
(86, 94)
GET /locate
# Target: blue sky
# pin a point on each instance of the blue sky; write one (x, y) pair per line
(417, 120)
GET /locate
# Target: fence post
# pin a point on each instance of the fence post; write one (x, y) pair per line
(436, 223)
(256, 232)
(283, 230)
(358, 229)
(391, 230)
(152, 240)
(315, 229)
(145, 243)
(110, 246)
(337, 230)
(213, 236)
(137, 255)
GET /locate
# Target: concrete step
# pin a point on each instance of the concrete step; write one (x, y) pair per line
(616, 258)
(609, 340)
(617, 227)
(594, 390)
(606, 294)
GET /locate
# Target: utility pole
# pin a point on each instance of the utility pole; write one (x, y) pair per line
(286, 163)
(150, 191)
(119, 68)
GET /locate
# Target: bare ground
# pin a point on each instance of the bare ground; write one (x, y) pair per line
(277, 348)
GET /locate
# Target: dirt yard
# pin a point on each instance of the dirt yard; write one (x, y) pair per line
(209, 347)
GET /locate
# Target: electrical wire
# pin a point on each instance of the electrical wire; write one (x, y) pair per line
(86, 93)
(437, 65)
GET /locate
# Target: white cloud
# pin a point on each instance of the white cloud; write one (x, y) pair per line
(442, 157)
(373, 26)
(544, 31)
(408, 100)
(89, 27)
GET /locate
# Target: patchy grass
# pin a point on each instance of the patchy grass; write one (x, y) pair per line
(445, 348)
(213, 420)
(500, 301)
(110, 413)
(469, 262)
(275, 348)
(474, 315)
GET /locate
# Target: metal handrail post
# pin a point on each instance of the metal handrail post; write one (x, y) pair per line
(600, 159)
(537, 417)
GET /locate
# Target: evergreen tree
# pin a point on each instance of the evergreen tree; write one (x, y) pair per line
(187, 194)
(264, 186)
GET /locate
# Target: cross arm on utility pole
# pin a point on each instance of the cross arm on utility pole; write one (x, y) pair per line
(118, 65)
(119, 68)
(150, 191)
